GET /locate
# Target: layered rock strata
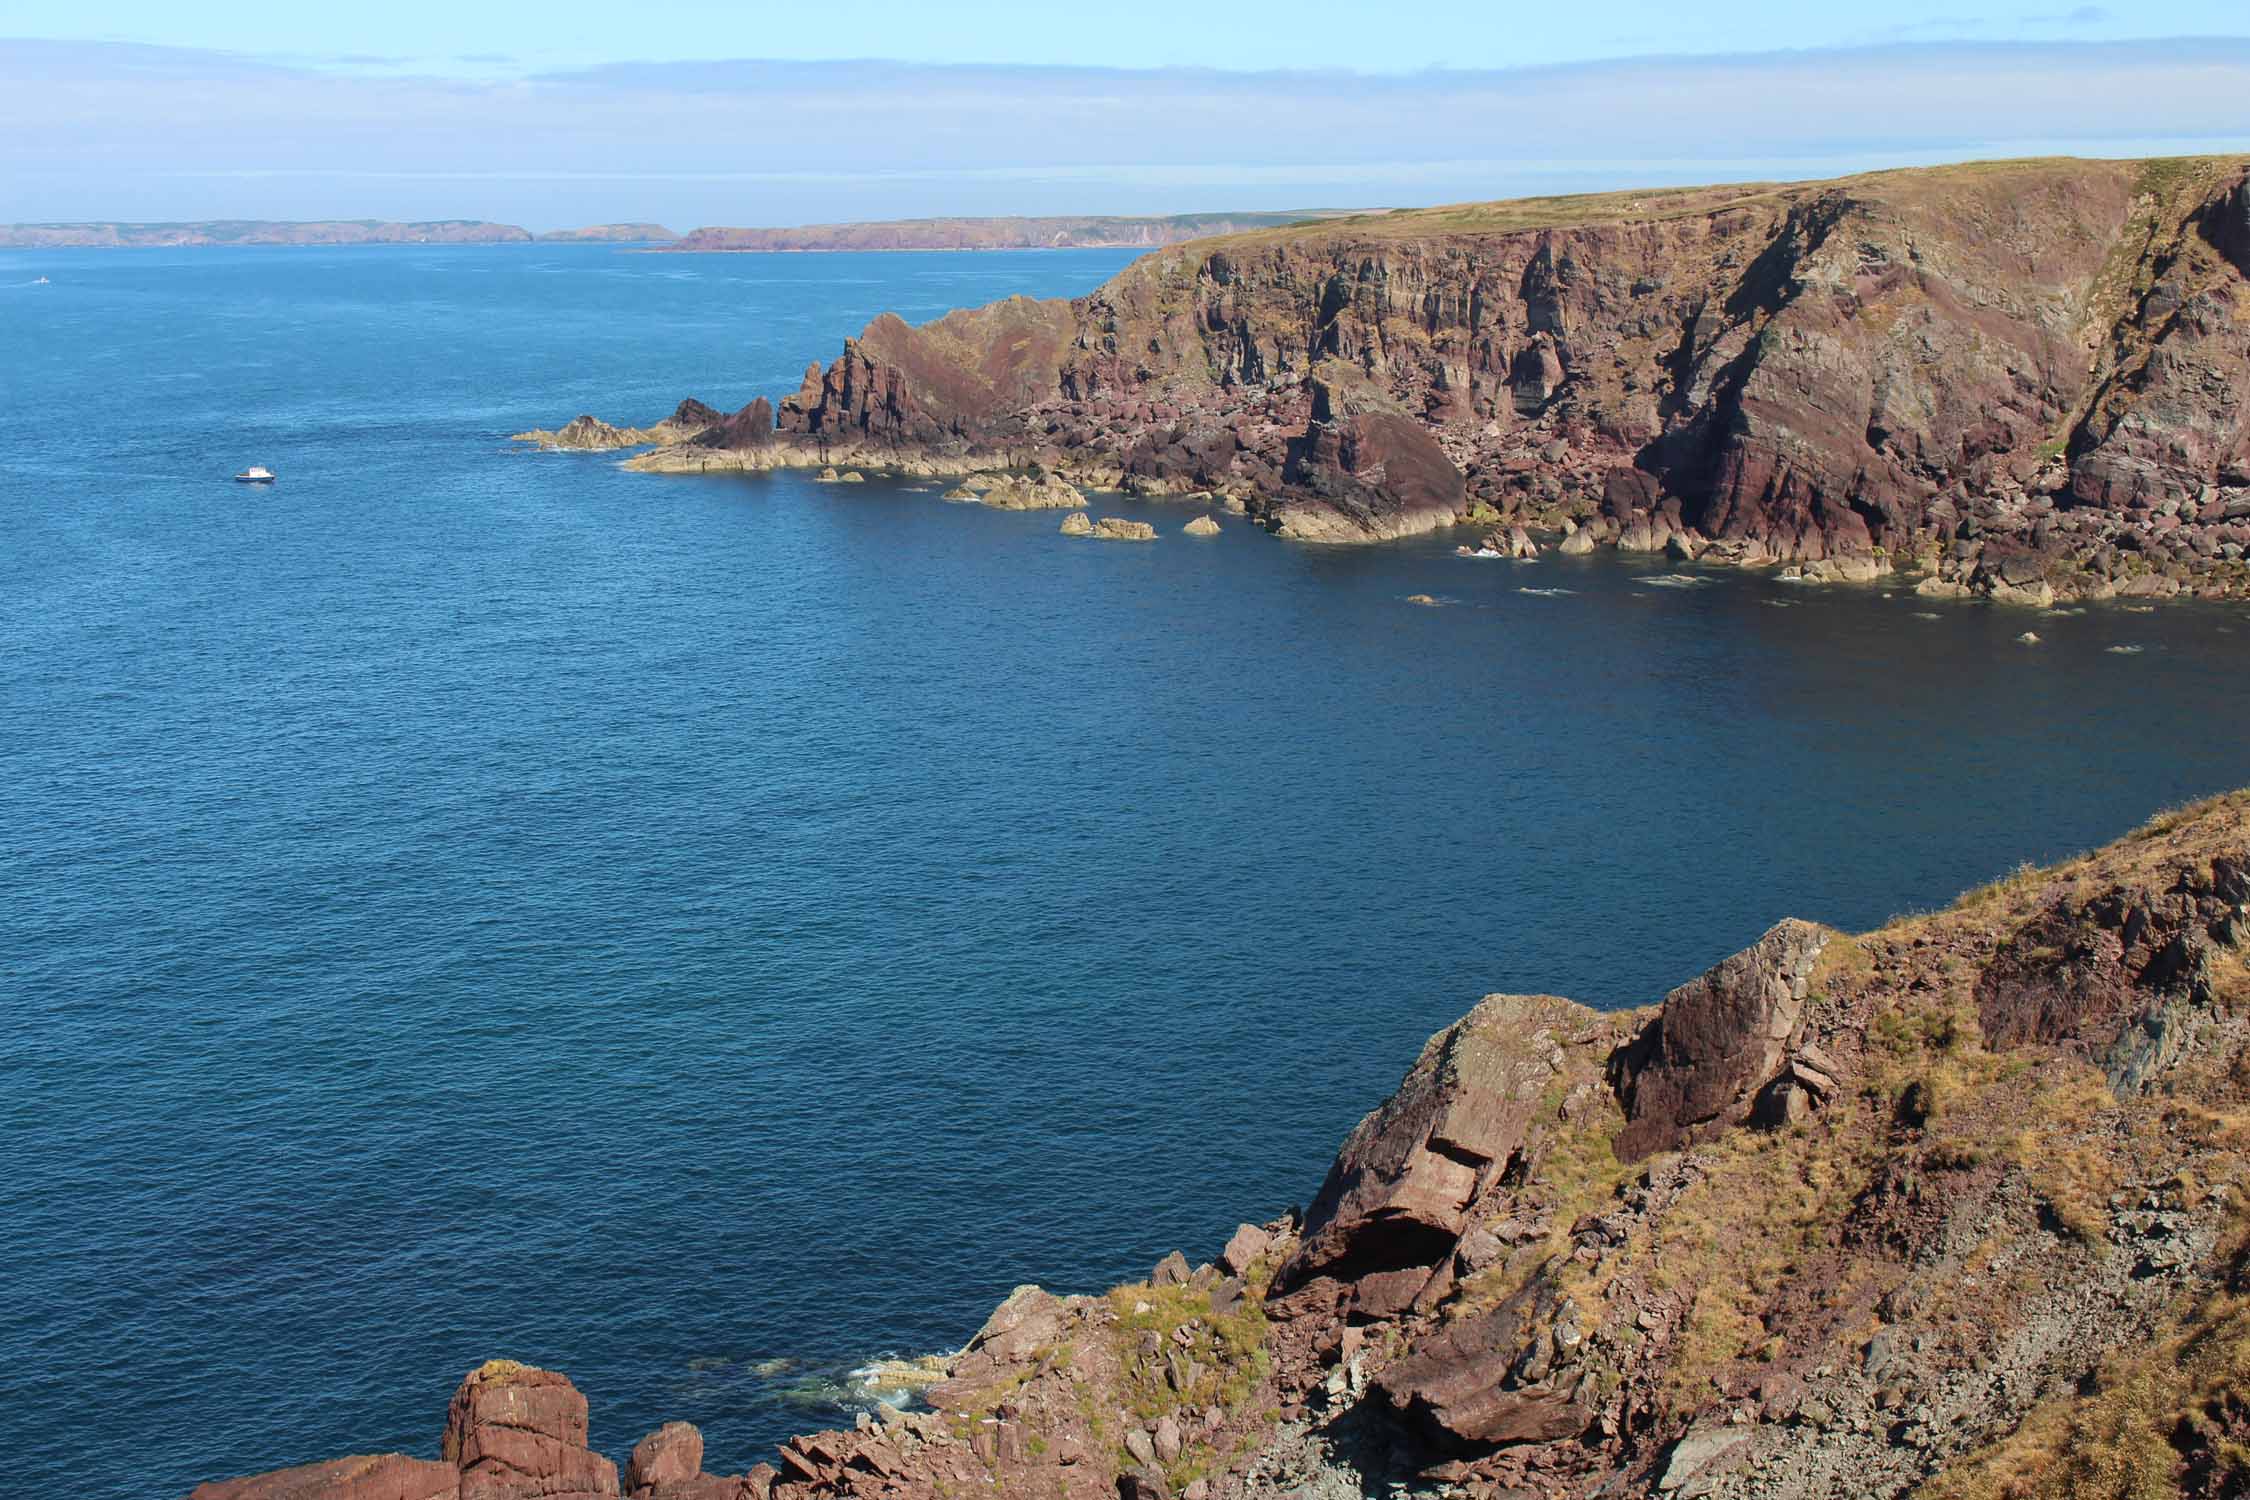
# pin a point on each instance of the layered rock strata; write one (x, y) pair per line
(2020, 380)
(1956, 1208)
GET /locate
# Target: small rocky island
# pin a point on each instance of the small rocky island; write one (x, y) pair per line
(2022, 381)
(1956, 1209)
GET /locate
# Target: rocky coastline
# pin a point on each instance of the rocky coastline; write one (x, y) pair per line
(2022, 381)
(1955, 1209)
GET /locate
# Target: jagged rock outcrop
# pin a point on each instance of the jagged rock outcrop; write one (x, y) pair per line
(514, 1431)
(1952, 1209)
(1716, 1043)
(2021, 379)
(1397, 1197)
(689, 421)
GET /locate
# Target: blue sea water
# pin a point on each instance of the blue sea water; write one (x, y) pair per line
(700, 933)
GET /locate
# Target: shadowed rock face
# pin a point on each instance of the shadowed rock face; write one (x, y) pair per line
(1364, 467)
(1455, 1389)
(2040, 356)
(1717, 1042)
(2113, 976)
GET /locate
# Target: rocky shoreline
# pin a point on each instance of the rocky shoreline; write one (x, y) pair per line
(2023, 381)
(1956, 1208)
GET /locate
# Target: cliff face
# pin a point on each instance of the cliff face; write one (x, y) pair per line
(1953, 1209)
(2023, 378)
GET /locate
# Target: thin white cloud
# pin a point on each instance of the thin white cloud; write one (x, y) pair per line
(109, 131)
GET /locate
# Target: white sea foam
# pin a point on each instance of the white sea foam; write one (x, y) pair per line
(2126, 650)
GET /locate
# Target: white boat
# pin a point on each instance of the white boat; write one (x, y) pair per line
(254, 475)
(42, 281)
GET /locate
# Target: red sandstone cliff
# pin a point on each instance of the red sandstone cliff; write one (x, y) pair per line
(2028, 378)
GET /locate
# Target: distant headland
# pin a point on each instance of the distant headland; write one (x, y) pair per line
(1069, 232)
(1074, 232)
(2018, 381)
(119, 235)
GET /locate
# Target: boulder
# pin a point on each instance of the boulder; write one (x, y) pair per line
(1201, 526)
(1077, 523)
(1247, 1243)
(1031, 1320)
(1716, 1043)
(1395, 1199)
(1706, 1448)
(1027, 491)
(1113, 529)
(592, 434)
(516, 1431)
(670, 1455)
(1459, 1387)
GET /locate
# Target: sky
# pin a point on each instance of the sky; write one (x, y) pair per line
(694, 113)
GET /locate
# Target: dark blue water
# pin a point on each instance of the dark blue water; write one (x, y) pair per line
(700, 933)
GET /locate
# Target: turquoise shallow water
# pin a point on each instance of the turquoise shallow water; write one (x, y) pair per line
(700, 933)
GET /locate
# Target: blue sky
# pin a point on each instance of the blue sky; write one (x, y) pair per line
(693, 113)
(496, 37)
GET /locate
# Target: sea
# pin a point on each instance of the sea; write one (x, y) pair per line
(705, 933)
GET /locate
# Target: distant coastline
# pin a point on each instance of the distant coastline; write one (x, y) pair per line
(107, 234)
(1049, 232)
(1002, 232)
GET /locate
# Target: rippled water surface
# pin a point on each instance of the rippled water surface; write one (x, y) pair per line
(701, 932)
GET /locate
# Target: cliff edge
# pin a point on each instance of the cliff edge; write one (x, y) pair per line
(1954, 1209)
(2019, 379)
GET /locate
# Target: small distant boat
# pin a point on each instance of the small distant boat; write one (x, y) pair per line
(254, 475)
(42, 281)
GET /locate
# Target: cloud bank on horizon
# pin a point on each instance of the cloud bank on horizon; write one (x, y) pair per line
(144, 132)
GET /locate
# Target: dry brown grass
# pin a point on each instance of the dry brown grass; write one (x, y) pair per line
(1767, 1204)
(2173, 177)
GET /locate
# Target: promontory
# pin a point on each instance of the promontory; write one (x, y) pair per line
(2024, 380)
